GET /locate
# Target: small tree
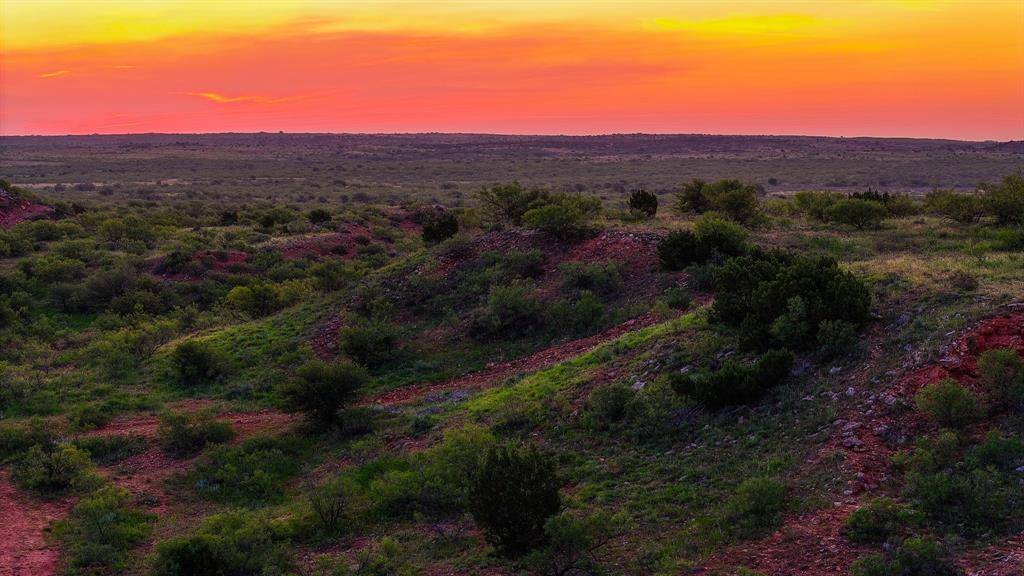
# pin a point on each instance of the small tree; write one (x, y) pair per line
(949, 403)
(512, 496)
(858, 213)
(322, 389)
(643, 202)
(319, 216)
(196, 363)
(440, 227)
(1006, 201)
(370, 343)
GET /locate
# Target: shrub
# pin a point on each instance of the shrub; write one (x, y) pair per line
(440, 227)
(754, 291)
(54, 469)
(756, 506)
(107, 450)
(318, 216)
(512, 311)
(1002, 375)
(330, 504)
(962, 208)
(720, 237)
(837, 338)
(256, 300)
(252, 472)
(815, 204)
(878, 521)
(679, 249)
(1006, 201)
(607, 405)
(858, 213)
(556, 219)
(604, 279)
(371, 343)
(323, 389)
(735, 383)
(512, 496)
(676, 297)
(181, 434)
(576, 316)
(231, 543)
(509, 202)
(17, 438)
(575, 544)
(733, 198)
(949, 403)
(196, 363)
(643, 202)
(915, 557)
(100, 531)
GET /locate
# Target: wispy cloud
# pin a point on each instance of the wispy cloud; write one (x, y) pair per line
(253, 99)
(54, 74)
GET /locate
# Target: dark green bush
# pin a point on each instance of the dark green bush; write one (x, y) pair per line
(323, 389)
(558, 220)
(17, 438)
(643, 202)
(101, 530)
(1006, 201)
(509, 202)
(858, 213)
(1002, 376)
(196, 363)
(915, 557)
(512, 496)
(736, 200)
(949, 403)
(237, 543)
(183, 434)
(51, 469)
(760, 291)
(712, 238)
(440, 227)
(679, 249)
(815, 204)
(607, 405)
(583, 314)
(371, 343)
(837, 338)
(878, 521)
(734, 382)
(962, 208)
(676, 297)
(252, 473)
(756, 506)
(257, 300)
(107, 450)
(330, 504)
(318, 216)
(604, 279)
(512, 311)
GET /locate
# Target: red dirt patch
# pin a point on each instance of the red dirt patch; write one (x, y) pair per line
(498, 372)
(342, 244)
(19, 210)
(23, 524)
(812, 544)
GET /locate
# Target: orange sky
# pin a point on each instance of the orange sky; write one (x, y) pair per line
(896, 68)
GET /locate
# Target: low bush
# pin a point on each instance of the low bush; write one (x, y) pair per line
(371, 343)
(251, 473)
(107, 450)
(734, 382)
(736, 200)
(257, 300)
(603, 279)
(231, 543)
(100, 531)
(196, 363)
(607, 406)
(837, 338)
(1006, 201)
(949, 403)
(330, 504)
(878, 521)
(1002, 376)
(182, 434)
(962, 208)
(643, 202)
(322, 389)
(858, 213)
(440, 227)
(512, 496)
(679, 249)
(583, 314)
(512, 311)
(559, 220)
(816, 204)
(915, 557)
(318, 216)
(677, 298)
(712, 238)
(755, 507)
(52, 469)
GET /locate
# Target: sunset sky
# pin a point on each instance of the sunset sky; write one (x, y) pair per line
(894, 68)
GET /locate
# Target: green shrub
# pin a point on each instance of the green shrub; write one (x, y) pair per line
(712, 238)
(736, 200)
(559, 220)
(54, 469)
(253, 472)
(232, 543)
(878, 521)
(949, 403)
(676, 297)
(754, 291)
(735, 383)
(815, 204)
(17, 438)
(1006, 201)
(837, 338)
(257, 300)
(512, 496)
(371, 343)
(318, 216)
(583, 314)
(915, 557)
(756, 506)
(196, 363)
(858, 213)
(575, 544)
(604, 279)
(330, 504)
(679, 249)
(101, 530)
(509, 202)
(183, 434)
(643, 202)
(512, 311)
(107, 450)
(1002, 375)
(440, 227)
(89, 416)
(962, 208)
(323, 389)
(607, 406)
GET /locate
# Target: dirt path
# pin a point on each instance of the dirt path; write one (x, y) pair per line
(496, 373)
(23, 524)
(812, 544)
(244, 423)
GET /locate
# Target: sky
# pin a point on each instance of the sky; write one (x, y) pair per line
(922, 68)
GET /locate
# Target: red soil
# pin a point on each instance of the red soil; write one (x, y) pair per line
(813, 544)
(343, 244)
(23, 523)
(22, 211)
(496, 373)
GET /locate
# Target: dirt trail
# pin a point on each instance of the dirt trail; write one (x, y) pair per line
(23, 523)
(243, 422)
(496, 373)
(813, 544)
